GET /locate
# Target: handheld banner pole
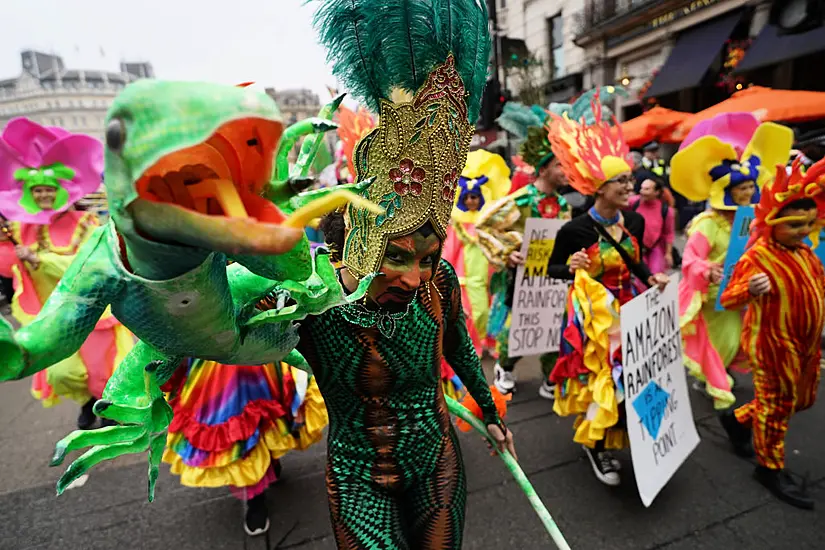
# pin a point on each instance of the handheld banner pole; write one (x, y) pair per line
(547, 520)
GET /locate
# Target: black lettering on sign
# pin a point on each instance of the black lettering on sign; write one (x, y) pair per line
(665, 443)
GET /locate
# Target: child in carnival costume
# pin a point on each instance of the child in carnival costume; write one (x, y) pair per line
(395, 478)
(233, 423)
(501, 228)
(485, 179)
(725, 160)
(782, 283)
(43, 173)
(601, 252)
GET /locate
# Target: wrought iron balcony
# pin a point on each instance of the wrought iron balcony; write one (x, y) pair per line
(605, 15)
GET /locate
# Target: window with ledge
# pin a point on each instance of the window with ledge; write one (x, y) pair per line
(555, 27)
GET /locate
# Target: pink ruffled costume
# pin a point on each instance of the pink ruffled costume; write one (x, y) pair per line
(32, 156)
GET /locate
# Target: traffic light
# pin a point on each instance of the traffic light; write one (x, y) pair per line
(503, 97)
(492, 104)
(489, 105)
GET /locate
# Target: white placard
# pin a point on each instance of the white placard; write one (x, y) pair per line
(538, 301)
(659, 417)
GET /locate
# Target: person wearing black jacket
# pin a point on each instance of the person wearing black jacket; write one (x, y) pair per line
(600, 252)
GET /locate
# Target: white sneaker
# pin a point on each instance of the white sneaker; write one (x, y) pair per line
(603, 465)
(505, 381)
(613, 460)
(547, 390)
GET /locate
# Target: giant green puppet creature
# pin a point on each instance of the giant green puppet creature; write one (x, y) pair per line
(199, 236)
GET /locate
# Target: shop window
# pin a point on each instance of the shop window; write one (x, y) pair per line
(555, 26)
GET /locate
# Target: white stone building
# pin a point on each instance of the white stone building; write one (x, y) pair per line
(50, 94)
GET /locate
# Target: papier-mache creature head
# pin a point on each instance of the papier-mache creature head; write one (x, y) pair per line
(726, 151)
(590, 154)
(788, 187)
(34, 156)
(422, 67)
(485, 175)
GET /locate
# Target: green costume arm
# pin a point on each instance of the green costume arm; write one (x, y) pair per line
(66, 320)
(458, 347)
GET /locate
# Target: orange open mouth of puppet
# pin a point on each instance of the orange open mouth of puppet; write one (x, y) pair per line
(209, 195)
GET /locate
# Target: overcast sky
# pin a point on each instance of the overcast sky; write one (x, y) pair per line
(270, 42)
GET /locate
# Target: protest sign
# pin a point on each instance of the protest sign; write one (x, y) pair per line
(739, 236)
(538, 301)
(659, 417)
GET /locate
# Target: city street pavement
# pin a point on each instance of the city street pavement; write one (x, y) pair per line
(711, 503)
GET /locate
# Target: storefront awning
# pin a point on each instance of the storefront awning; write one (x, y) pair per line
(770, 47)
(693, 54)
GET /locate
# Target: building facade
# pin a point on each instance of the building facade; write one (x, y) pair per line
(298, 105)
(548, 31)
(690, 54)
(50, 94)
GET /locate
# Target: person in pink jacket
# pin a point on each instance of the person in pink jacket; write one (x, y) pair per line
(653, 203)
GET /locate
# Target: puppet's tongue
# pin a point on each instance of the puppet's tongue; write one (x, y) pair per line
(171, 223)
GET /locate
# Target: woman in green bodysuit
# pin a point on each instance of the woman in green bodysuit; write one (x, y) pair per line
(395, 477)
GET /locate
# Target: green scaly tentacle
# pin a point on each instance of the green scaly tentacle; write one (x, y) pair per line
(312, 143)
(291, 135)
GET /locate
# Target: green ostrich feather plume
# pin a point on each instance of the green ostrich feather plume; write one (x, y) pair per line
(377, 46)
(517, 118)
(536, 147)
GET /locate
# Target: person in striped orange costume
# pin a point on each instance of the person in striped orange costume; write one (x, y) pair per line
(780, 279)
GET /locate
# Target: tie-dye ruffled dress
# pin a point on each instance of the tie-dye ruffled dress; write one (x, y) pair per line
(588, 374)
(233, 423)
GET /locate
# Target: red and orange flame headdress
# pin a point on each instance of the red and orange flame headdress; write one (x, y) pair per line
(786, 189)
(590, 155)
(352, 126)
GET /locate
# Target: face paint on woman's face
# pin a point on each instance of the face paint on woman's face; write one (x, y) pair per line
(409, 262)
(793, 232)
(743, 193)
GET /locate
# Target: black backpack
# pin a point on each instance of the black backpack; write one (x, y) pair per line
(677, 257)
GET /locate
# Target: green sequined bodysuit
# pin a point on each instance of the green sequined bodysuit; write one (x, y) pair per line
(395, 477)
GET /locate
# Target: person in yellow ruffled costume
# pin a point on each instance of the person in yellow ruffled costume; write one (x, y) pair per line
(601, 252)
(233, 423)
(727, 161)
(485, 179)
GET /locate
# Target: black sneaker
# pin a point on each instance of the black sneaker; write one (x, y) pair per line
(256, 520)
(87, 417)
(604, 466)
(740, 436)
(784, 487)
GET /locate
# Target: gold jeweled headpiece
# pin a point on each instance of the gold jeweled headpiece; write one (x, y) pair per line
(413, 160)
(422, 67)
